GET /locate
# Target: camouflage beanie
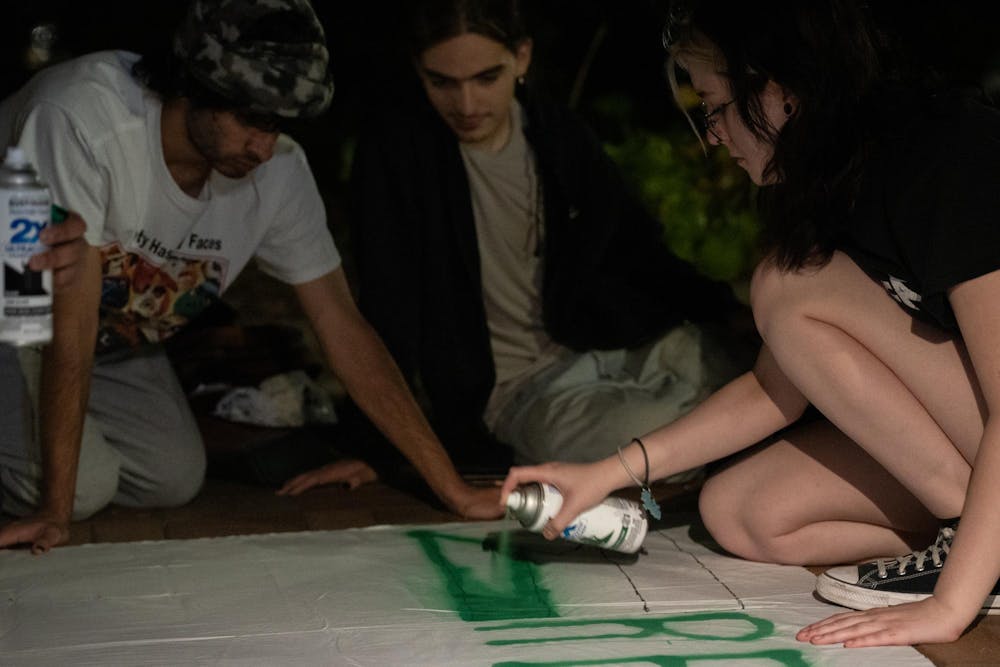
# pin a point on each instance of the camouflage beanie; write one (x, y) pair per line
(225, 46)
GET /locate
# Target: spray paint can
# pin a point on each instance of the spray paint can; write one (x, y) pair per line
(616, 523)
(25, 295)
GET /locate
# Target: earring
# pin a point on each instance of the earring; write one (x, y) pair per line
(788, 108)
(520, 80)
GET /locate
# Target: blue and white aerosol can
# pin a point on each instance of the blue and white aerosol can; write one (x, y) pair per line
(25, 295)
(616, 523)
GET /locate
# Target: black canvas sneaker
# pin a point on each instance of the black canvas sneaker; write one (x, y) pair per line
(886, 582)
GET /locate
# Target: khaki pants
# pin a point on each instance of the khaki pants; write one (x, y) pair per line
(584, 408)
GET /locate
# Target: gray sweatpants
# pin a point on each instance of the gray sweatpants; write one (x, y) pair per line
(140, 447)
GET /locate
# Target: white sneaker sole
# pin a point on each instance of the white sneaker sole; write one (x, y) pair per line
(857, 597)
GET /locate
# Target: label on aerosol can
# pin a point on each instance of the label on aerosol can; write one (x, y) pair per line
(616, 523)
(25, 295)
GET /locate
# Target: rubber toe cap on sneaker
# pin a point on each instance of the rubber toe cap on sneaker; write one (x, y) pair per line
(847, 574)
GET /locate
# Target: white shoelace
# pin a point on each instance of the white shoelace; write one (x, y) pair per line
(936, 552)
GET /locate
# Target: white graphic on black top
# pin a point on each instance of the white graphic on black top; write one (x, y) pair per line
(898, 290)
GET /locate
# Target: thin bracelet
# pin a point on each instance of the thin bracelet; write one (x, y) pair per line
(647, 494)
(645, 459)
(628, 469)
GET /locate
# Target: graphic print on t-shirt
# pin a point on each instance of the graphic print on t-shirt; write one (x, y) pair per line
(147, 302)
(898, 290)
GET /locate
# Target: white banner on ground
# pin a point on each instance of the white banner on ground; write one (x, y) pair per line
(454, 594)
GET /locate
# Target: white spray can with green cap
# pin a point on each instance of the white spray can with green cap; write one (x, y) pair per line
(25, 295)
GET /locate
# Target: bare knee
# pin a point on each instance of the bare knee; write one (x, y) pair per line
(722, 511)
(742, 526)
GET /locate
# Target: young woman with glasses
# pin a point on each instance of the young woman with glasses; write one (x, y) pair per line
(876, 304)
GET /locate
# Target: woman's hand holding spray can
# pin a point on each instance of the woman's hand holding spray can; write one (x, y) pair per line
(615, 523)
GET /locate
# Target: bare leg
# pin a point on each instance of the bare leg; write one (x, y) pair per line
(812, 498)
(901, 390)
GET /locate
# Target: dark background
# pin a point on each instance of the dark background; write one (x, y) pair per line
(371, 67)
(369, 60)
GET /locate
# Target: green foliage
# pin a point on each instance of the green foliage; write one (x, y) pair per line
(704, 202)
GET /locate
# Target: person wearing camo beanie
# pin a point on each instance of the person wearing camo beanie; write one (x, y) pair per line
(175, 161)
(222, 48)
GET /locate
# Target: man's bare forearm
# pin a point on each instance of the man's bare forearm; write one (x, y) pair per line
(377, 386)
(359, 358)
(67, 363)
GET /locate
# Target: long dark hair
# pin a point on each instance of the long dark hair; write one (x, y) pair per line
(434, 21)
(838, 65)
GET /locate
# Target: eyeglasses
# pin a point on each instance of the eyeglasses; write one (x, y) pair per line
(709, 118)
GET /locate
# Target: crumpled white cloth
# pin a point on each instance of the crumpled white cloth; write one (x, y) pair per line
(285, 400)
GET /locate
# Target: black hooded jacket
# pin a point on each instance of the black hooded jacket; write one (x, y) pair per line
(609, 281)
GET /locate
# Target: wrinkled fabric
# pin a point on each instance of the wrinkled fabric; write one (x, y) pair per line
(288, 79)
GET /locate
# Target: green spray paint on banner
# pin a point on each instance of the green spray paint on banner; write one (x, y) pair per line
(512, 591)
(786, 657)
(759, 628)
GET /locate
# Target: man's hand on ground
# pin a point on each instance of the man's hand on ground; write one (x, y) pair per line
(41, 532)
(351, 473)
(476, 502)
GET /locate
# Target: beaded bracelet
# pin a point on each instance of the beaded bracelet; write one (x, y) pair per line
(647, 494)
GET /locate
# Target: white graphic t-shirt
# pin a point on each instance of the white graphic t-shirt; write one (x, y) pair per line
(93, 134)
